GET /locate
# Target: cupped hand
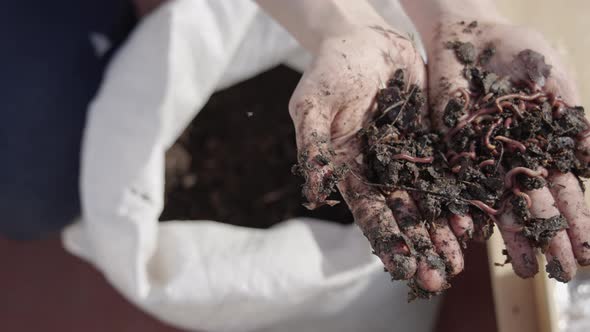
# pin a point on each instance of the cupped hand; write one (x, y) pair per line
(563, 194)
(333, 101)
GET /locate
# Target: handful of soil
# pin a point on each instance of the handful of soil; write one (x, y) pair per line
(505, 135)
(508, 132)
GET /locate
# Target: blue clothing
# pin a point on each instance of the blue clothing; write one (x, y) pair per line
(49, 71)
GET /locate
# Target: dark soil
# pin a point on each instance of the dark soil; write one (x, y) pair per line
(233, 162)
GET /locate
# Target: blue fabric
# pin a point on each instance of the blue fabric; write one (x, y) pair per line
(49, 71)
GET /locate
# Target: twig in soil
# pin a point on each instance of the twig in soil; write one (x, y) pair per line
(499, 162)
(404, 104)
(388, 109)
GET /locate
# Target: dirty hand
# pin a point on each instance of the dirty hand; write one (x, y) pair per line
(333, 101)
(441, 21)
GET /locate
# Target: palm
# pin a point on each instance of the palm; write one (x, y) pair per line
(333, 101)
(446, 76)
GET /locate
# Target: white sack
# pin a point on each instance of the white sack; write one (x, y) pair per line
(302, 275)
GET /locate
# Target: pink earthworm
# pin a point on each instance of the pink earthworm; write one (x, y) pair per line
(486, 139)
(508, 122)
(513, 143)
(455, 158)
(468, 120)
(484, 207)
(513, 106)
(509, 177)
(488, 162)
(419, 160)
(517, 96)
(517, 192)
(466, 96)
(585, 134)
(487, 97)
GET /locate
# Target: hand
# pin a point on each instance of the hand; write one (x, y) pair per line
(564, 195)
(333, 101)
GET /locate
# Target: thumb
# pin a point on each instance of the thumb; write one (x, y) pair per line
(312, 122)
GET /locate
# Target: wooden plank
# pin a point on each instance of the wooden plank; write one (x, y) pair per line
(514, 298)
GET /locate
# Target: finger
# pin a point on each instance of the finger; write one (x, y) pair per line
(312, 129)
(430, 275)
(560, 257)
(375, 219)
(562, 85)
(462, 227)
(570, 200)
(520, 251)
(445, 83)
(447, 246)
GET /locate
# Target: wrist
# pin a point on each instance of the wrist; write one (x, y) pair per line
(429, 15)
(312, 22)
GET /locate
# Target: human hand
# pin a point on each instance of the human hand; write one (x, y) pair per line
(333, 101)
(563, 194)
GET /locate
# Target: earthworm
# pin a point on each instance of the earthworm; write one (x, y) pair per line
(517, 192)
(487, 97)
(486, 139)
(470, 155)
(418, 160)
(484, 118)
(509, 178)
(456, 169)
(585, 134)
(508, 123)
(514, 143)
(468, 120)
(465, 95)
(517, 96)
(514, 107)
(484, 207)
(534, 141)
(521, 106)
(488, 162)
